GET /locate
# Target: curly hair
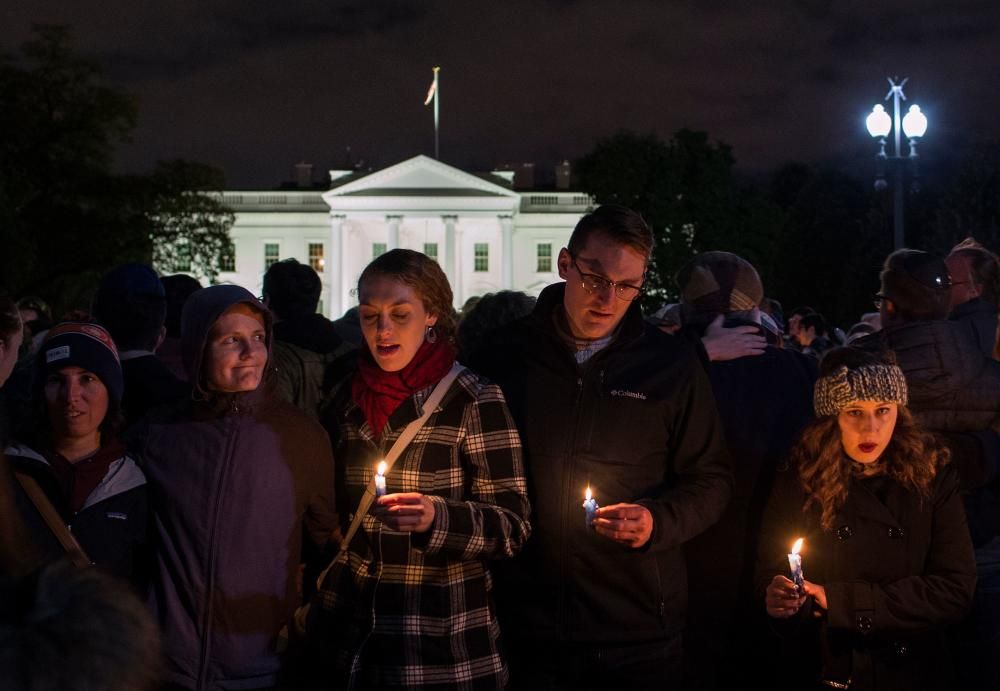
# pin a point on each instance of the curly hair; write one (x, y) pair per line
(425, 277)
(912, 458)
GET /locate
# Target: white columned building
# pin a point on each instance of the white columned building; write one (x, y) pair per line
(487, 236)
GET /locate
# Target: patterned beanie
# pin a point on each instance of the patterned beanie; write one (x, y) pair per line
(869, 383)
(84, 345)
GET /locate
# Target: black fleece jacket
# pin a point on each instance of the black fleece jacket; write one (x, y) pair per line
(638, 423)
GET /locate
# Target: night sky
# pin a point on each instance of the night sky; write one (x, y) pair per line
(254, 86)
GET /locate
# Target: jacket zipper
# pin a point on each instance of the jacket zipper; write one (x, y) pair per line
(212, 553)
(566, 494)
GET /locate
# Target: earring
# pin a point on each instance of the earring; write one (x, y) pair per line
(431, 335)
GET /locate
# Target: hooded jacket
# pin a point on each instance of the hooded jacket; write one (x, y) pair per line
(638, 423)
(234, 479)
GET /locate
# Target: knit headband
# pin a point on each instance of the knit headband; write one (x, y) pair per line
(869, 383)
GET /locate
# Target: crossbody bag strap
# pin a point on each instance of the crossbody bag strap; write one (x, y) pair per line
(52, 519)
(402, 441)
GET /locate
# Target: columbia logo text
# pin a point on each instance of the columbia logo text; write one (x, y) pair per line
(628, 394)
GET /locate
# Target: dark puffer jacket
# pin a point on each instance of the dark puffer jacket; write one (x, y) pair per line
(953, 386)
(233, 480)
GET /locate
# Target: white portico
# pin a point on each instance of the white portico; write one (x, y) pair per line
(485, 235)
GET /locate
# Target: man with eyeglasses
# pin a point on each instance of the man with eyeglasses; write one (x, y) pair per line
(606, 401)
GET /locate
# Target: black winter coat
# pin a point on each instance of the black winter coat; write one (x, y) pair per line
(638, 424)
(897, 570)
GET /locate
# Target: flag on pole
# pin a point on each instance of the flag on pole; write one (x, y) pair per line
(432, 91)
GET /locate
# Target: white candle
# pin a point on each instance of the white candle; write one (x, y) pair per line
(589, 507)
(380, 480)
(795, 563)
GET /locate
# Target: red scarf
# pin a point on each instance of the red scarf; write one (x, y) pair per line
(378, 393)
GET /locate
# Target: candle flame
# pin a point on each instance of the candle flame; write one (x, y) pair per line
(381, 468)
(797, 547)
(587, 495)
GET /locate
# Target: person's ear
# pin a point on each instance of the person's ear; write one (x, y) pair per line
(161, 338)
(563, 262)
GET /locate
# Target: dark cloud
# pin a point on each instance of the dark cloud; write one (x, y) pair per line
(255, 86)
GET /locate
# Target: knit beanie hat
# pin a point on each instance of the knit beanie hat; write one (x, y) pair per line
(836, 390)
(719, 283)
(84, 345)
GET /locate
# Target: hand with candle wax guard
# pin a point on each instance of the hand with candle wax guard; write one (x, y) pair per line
(782, 602)
(629, 524)
(408, 512)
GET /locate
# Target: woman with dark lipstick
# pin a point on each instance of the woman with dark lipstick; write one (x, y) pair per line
(888, 560)
(407, 603)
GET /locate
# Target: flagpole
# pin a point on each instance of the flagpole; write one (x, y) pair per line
(437, 101)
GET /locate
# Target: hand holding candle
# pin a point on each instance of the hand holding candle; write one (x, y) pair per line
(589, 507)
(795, 563)
(380, 480)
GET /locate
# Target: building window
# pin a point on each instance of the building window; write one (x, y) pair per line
(227, 260)
(271, 254)
(378, 249)
(182, 260)
(431, 250)
(481, 257)
(544, 254)
(316, 260)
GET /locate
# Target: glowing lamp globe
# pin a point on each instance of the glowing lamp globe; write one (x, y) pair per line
(878, 122)
(914, 123)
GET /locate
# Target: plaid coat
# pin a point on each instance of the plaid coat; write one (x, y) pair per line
(414, 610)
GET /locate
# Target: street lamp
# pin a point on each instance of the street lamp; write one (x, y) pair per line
(913, 125)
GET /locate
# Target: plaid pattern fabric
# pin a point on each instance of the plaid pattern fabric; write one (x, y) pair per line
(415, 610)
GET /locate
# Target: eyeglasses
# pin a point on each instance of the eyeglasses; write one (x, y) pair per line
(879, 299)
(593, 283)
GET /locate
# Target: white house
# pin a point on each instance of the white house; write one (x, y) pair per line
(486, 236)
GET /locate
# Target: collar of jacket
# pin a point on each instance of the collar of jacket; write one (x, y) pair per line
(551, 299)
(217, 405)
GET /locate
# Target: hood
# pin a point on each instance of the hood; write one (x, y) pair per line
(313, 332)
(938, 357)
(201, 311)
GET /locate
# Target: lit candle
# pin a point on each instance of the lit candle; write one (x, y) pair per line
(380, 480)
(795, 563)
(589, 507)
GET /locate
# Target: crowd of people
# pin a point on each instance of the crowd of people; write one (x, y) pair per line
(202, 489)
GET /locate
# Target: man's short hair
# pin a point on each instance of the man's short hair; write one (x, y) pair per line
(813, 320)
(131, 304)
(619, 224)
(984, 267)
(292, 289)
(917, 283)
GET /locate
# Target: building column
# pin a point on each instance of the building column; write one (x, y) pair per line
(507, 256)
(453, 256)
(335, 266)
(449, 249)
(393, 220)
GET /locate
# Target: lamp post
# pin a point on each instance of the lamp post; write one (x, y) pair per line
(914, 125)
